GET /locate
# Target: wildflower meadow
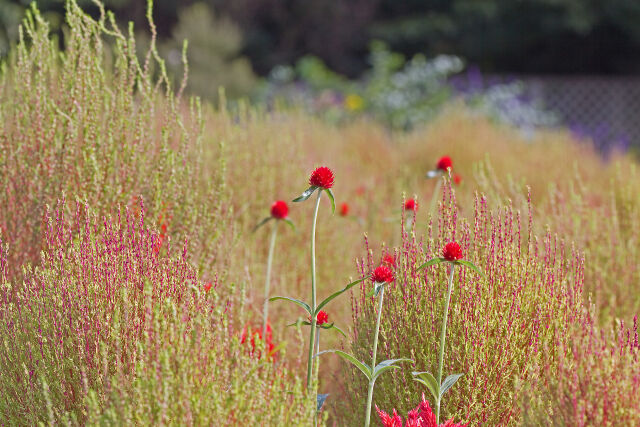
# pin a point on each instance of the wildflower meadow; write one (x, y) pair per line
(169, 261)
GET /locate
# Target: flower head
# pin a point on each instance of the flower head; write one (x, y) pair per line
(344, 209)
(321, 177)
(394, 420)
(382, 274)
(207, 287)
(279, 209)
(389, 260)
(322, 317)
(444, 163)
(410, 205)
(452, 251)
(457, 179)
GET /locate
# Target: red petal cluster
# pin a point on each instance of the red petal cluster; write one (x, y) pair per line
(207, 287)
(422, 416)
(457, 179)
(410, 205)
(321, 177)
(452, 251)
(389, 260)
(279, 209)
(257, 335)
(444, 163)
(322, 317)
(344, 209)
(382, 274)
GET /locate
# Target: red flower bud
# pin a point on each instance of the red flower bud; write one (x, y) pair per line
(344, 209)
(321, 177)
(279, 209)
(457, 179)
(410, 205)
(444, 163)
(207, 287)
(322, 317)
(452, 251)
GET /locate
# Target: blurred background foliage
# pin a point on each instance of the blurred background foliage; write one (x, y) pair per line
(398, 62)
(506, 36)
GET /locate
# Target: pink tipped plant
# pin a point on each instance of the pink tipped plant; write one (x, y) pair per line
(380, 277)
(279, 212)
(452, 255)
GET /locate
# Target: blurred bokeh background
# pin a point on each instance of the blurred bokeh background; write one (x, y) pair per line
(528, 63)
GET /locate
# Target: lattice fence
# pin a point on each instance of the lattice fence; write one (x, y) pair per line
(607, 109)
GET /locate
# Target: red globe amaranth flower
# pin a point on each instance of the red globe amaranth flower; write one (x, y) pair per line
(457, 179)
(410, 205)
(322, 317)
(344, 209)
(279, 209)
(444, 163)
(382, 274)
(321, 177)
(207, 287)
(452, 251)
(389, 260)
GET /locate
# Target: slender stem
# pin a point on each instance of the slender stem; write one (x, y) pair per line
(443, 336)
(265, 309)
(373, 361)
(436, 195)
(313, 292)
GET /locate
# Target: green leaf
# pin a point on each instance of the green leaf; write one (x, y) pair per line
(333, 199)
(432, 261)
(290, 223)
(337, 294)
(387, 365)
(295, 301)
(299, 322)
(428, 380)
(306, 194)
(346, 356)
(320, 401)
(448, 382)
(261, 223)
(332, 326)
(471, 266)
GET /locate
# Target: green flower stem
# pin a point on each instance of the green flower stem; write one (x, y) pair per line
(265, 309)
(313, 293)
(443, 336)
(373, 361)
(436, 195)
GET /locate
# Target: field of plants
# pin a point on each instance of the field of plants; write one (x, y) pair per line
(167, 262)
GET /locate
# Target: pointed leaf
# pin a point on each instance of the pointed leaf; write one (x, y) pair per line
(432, 261)
(295, 301)
(290, 223)
(337, 294)
(471, 265)
(333, 200)
(386, 365)
(332, 326)
(299, 322)
(261, 223)
(306, 194)
(448, 382)
(321, 399)
(346, 356)
(428, 380)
